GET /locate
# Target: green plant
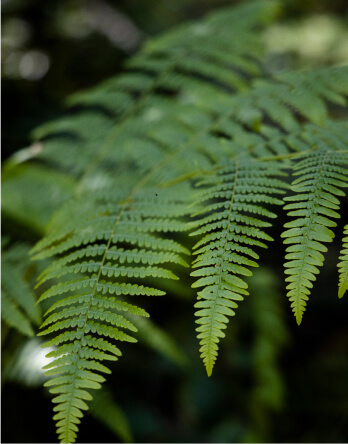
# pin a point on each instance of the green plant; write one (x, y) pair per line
(18, 301)
(199, 139)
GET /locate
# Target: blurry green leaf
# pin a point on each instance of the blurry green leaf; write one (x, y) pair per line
(31, 193)
(106, 410)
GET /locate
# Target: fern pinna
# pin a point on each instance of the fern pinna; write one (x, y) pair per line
(195, 139)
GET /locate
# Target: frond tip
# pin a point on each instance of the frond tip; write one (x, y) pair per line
(343, 265)
(232, 226)
(314, 205)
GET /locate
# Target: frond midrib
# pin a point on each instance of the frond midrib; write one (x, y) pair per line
(299, 312)
(210, 364)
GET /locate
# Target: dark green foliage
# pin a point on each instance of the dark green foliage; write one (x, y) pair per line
(267, 311)
(195, 139)
(18, 301)
(108, 412)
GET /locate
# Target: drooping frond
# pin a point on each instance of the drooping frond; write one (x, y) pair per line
(343, 265)
(18, 301)
(231, 220)
(322, 173)
(108, 255)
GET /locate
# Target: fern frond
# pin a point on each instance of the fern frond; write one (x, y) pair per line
(90, 313)
(321, 175)
(230, 235)
(343, 265)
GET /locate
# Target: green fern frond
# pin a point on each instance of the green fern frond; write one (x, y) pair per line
(321, 175)
(343, 265)
(89, 305)
(239, 191)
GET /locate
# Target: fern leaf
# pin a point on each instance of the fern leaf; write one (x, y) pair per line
(225, 256)
(343, 265)
(88, 313)
(321, 175)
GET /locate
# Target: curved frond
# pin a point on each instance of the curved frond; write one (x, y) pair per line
(232, 224)
(90, 313)
(322, 174)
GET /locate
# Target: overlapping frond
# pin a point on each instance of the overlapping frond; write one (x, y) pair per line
(264, 120)
(234, 200)
(314, 204)
(304, 93)
(182, 66)
(343, 265)
(18, 301)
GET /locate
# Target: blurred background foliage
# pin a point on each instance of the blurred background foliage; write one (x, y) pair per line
(53, 48)
(288, 387)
